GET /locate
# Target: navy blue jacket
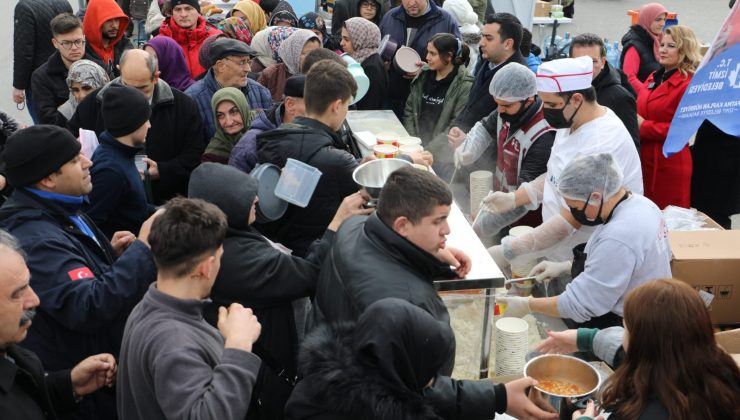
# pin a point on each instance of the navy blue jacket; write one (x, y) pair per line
(394, 24)
(117, 201)
(86, 293)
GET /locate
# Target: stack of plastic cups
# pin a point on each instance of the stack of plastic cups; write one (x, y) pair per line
(481, 182)
(512, 339)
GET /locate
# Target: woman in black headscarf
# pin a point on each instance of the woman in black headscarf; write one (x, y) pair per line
(374, 369)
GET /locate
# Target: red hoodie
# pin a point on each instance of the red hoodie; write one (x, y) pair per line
(98, 12)
(190, 40)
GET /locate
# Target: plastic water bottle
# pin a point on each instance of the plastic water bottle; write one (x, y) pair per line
(551, 54)
(564, 46)
(616, 55)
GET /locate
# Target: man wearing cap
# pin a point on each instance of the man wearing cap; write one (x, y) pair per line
(231, 63)
(118, 201)
(584, 127)
(522, 135)
(628, 248)
(175, 140)
(189, 29)
(244, 154)
(87, 284)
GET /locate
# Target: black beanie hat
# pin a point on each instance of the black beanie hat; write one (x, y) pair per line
(294, 86)
(269, 5)
(31, 154)
(124, 110)
(193, 3)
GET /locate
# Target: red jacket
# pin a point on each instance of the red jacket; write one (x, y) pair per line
(667, 180)
(98, 12)
(190, 40)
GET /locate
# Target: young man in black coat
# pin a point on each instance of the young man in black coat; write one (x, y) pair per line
(175, 140)
(49, 82)
(313, 140)
(32, 44)
(27, 391)
(398, 252)
(608, 83)
(265, 277)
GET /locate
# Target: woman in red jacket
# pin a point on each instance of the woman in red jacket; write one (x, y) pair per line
(667, 180)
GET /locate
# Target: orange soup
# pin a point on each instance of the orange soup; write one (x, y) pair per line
(560, 387)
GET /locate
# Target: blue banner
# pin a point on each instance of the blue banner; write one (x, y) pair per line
(714, 91)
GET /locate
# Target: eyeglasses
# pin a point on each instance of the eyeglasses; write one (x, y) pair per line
(79, 43)
(369, 5)
(241, 63)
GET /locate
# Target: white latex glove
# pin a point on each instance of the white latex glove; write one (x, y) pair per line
(489, 224)
(548, 270)
(499, 202)
(516, 306)
(463, 157)
(544, 236)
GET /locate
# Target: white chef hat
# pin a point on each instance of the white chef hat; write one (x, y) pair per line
(565, 75)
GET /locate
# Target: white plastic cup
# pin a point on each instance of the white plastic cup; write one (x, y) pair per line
(139, 162)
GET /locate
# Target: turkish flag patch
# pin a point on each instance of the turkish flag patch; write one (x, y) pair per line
(80, 273)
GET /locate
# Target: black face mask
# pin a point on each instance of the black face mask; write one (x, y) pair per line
(514, 118)
(580, 215)
(556, 118)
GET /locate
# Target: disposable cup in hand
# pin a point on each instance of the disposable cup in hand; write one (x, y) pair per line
(139, 162)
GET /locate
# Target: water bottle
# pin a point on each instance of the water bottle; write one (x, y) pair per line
(551, 53)
(564, 46)
(617, 55)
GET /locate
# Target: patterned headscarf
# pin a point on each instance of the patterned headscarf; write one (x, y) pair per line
(365, 37)
(86, 73)
(236, 28)
(278, 35)
(290, 50)
(311, 21)
(283, 13)
(255, 15)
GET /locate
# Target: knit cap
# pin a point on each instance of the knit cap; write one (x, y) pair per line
(31, 154)
(124, 110)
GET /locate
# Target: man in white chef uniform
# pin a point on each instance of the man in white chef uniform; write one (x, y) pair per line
(583, 128)
(628, 247)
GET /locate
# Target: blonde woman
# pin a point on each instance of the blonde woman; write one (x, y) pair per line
(667, 180)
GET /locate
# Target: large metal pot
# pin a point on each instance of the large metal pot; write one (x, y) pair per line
(372, 175)
(562, 368)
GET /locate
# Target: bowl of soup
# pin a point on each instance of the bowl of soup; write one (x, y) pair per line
(564, 382)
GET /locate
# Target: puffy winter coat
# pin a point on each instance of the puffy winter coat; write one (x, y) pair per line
(639, 39)
(86, 293)
(667, 180)
(175, 141)
(190, 40)
(98, 12)
(32, 36)
(311, 142)
(244, 154)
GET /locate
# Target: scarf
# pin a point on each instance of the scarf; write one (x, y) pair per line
(275, 39)
(236, 28)
(172, 64)
(290, 49)
(312, 21)
(255, 17)
(365, 37)
(221, 144)
(86, 73)
(283, 13)
(648, 14)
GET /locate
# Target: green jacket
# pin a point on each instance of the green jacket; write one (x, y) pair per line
(454, 103)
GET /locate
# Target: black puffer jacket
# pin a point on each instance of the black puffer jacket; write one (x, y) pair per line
(369, 262)
(32, 36)
(311, 142)
(638, 37)
(612, 94)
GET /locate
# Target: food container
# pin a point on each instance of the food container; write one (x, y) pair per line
(388, 138)
(372, 175)
(521, 266)
(409, 140)
(269, 207)
(569, 370)
(297, 182)
(410, 148)
(385, 151)
(406, 59)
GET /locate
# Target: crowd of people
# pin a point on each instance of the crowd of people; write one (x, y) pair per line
(143, 279)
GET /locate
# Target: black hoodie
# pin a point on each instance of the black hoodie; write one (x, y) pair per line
(373, 369)
(313, 143)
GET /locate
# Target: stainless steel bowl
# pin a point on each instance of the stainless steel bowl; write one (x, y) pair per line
(372, 175)
(562, 368)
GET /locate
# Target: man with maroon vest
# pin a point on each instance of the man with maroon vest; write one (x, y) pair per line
(518, 126)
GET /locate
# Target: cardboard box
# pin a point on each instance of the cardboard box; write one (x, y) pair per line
(710, 261)
(542, 9)
(710, 223)
(730, 342)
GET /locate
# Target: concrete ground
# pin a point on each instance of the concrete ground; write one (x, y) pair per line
(605, 17)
